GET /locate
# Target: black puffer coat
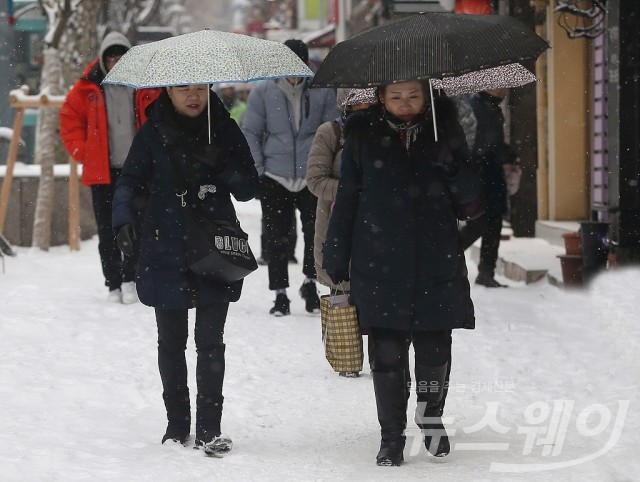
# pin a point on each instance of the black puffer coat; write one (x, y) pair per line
(162, 278)
(395, 217)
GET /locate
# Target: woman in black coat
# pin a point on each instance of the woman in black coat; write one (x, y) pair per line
(177, 128)
(395, 219)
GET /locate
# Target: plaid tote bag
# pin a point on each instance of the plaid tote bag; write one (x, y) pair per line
(341, 333)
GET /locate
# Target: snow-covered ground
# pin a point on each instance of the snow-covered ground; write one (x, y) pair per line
(546, 388)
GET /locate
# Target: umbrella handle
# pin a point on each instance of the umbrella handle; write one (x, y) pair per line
(433, 112)
(209, 111)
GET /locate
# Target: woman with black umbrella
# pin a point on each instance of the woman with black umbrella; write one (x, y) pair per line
(400, 195)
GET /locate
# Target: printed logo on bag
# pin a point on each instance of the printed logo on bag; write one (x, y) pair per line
(206, 188)
(231, 245)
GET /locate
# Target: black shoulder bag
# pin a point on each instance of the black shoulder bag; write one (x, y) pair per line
(218, 250)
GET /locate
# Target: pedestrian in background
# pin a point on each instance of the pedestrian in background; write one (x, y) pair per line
(228, 95)
(176, 136)
(234, 97)
(323, 172)
(490, 153)
(97, 125)
(394, 233)
(280, 122)
(242, 91)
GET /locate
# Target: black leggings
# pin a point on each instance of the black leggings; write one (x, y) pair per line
(173, 331)
(489, 227)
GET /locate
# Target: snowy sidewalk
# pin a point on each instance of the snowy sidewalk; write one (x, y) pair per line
(545, 388)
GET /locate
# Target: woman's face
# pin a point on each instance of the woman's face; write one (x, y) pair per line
(189, 100)
(404, 100)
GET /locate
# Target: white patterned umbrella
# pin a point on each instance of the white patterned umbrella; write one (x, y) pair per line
(504, 76)
(205, 57)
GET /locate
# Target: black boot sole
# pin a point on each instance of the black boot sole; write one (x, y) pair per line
(388, 462)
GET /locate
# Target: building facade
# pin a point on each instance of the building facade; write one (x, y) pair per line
(588, 99)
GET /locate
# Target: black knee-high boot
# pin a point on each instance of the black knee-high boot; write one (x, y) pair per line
(431, 393)
(391, 401)
(173, 373)
(210, 377)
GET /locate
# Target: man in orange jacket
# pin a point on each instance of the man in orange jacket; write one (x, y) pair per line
(97, 125)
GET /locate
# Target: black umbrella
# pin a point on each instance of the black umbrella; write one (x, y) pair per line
(431, 46)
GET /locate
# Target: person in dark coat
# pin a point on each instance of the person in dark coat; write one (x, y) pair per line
(489, 153)
(399, 198)
(177, 128)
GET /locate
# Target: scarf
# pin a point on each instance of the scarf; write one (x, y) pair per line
(407, 130)
(174, 126)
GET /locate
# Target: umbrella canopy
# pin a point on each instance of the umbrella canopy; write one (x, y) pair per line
(432, 46)
(505, 76)
(205, 57)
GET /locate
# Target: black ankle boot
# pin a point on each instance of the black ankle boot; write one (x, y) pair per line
(179, 433)
(488, 281)
(431, 393)
(391, 401)
(436, 439)
(391, 451)
(178, 417)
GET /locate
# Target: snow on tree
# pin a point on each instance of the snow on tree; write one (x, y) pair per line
(58, 13)
(126, 15)
(79, 43)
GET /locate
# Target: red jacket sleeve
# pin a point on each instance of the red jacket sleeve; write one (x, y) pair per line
(73, 124)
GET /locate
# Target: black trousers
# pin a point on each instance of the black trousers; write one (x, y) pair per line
(293, 238)
(391, 348)
(116, 267)
(278, 207)
(489, 228)
(173, 332)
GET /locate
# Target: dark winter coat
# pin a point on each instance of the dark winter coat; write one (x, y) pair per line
(395, 217)
(490, 151)
(162, 278)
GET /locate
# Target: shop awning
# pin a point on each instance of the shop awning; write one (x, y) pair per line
(324, 37)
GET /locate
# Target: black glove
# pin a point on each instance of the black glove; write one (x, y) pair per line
(211, 155)
(125, 238)
(338, 276)
(441, 157)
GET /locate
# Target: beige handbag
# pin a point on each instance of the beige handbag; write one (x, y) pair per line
(341, 333)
